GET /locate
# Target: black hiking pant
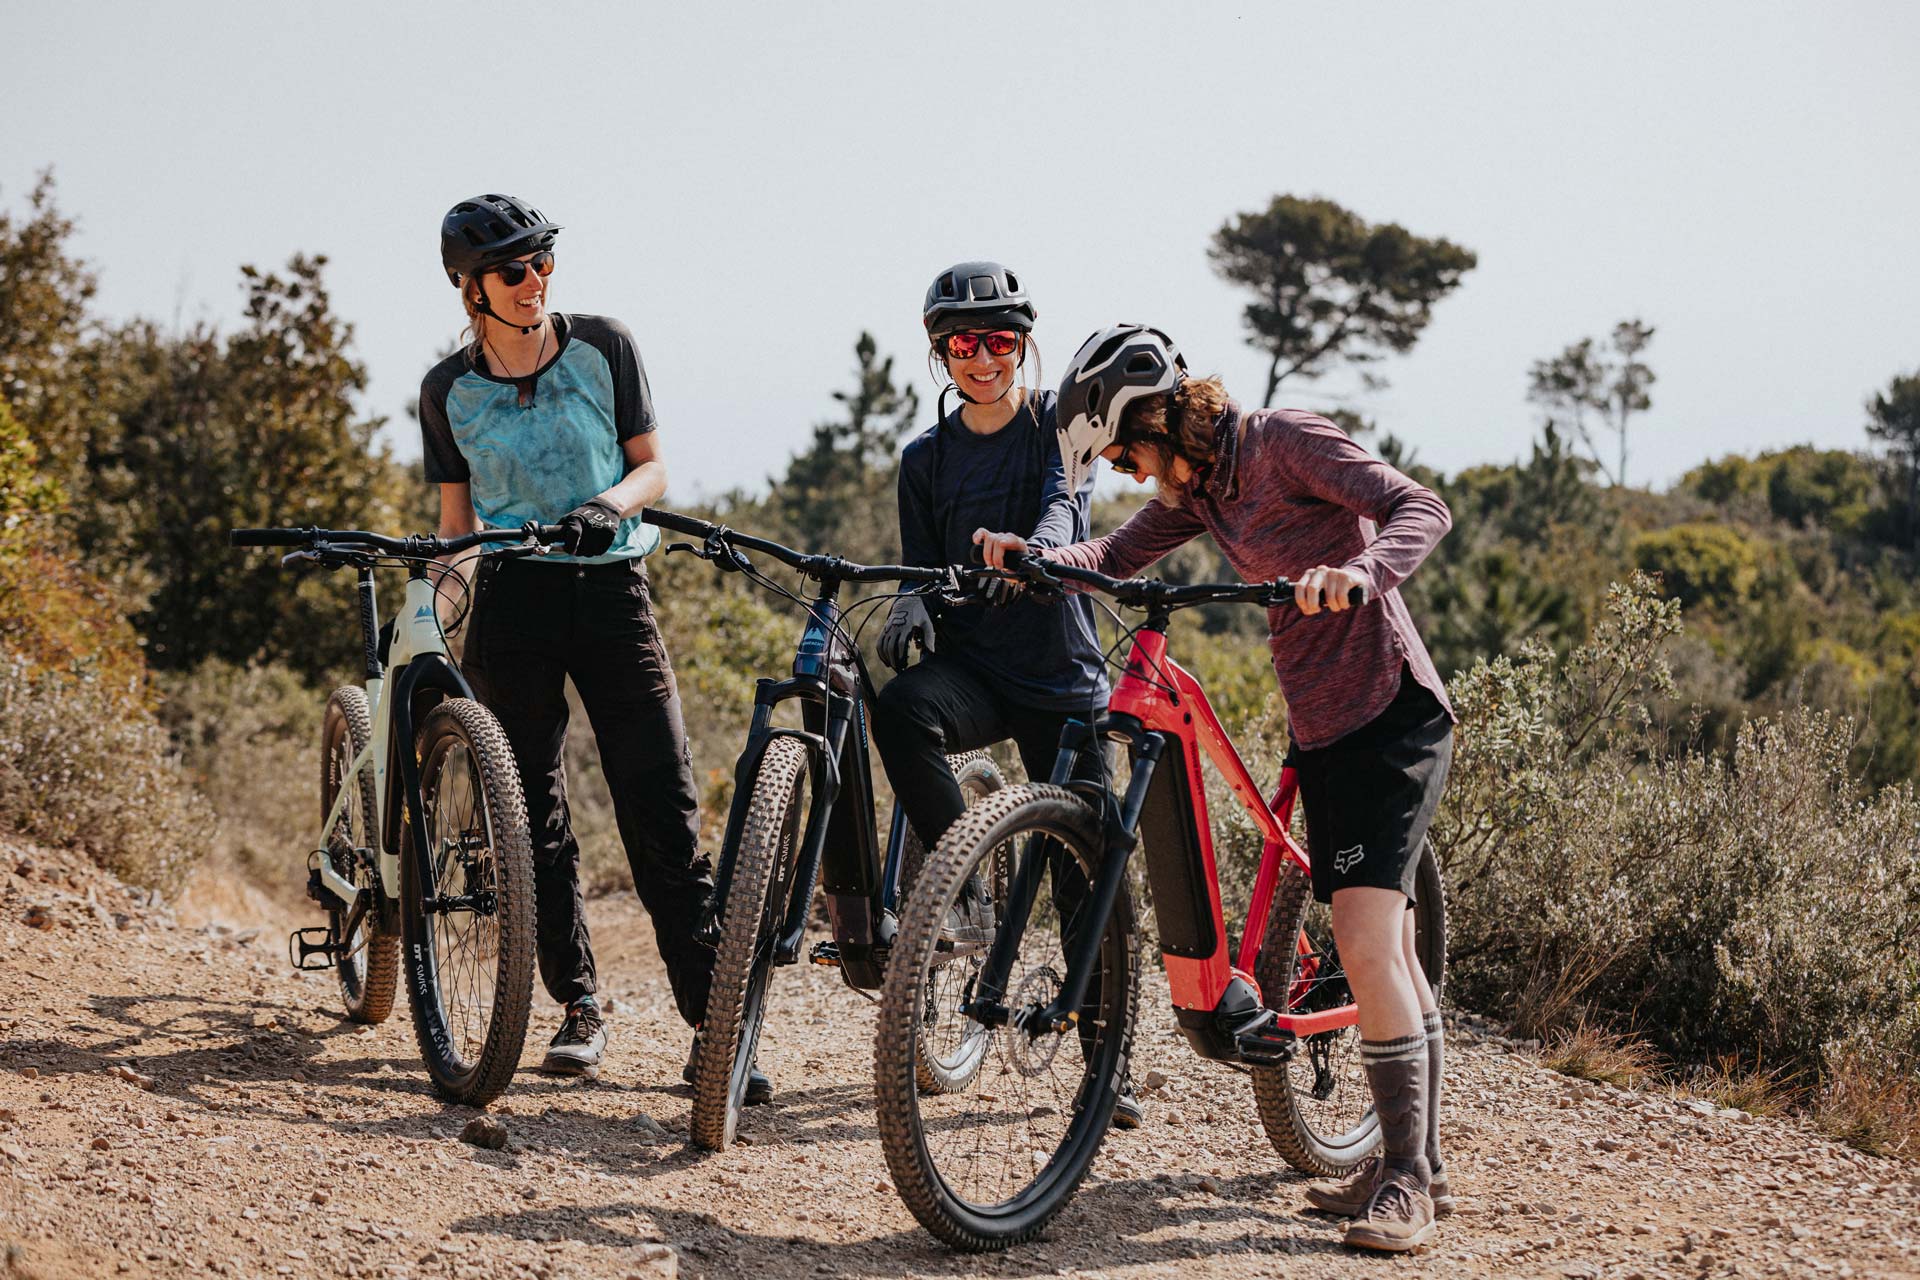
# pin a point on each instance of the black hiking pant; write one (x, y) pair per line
(534, 626)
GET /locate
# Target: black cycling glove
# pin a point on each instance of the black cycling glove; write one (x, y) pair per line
(591, 528)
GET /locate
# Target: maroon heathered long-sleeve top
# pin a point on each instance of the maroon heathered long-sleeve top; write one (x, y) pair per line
(1289, 492)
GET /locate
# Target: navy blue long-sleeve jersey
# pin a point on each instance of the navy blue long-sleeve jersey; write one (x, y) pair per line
(953, 482)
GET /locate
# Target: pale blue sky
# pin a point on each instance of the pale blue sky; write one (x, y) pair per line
(750, 186)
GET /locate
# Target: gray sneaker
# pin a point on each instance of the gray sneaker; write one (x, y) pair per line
(1398, 1217)
(577, 1046)
(1347, 1197)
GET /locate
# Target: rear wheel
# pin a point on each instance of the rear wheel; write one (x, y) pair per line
(469, 961)
(947, 1058)
(764, 867)
(988, 1167)
(368, 962)
(1316, 1108)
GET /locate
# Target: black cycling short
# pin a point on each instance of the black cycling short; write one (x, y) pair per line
(1370, 796)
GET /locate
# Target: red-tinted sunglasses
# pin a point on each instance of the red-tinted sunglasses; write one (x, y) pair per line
(512, 273)
(963, 346)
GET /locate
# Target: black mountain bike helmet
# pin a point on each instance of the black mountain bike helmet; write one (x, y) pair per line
(1112, 369)
(489, 230)
(976, 295)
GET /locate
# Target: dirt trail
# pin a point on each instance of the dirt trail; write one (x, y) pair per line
(176, 1102)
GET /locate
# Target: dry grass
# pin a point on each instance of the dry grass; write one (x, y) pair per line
(1753, 1089)
(1869, 1107)
(1589, 1052)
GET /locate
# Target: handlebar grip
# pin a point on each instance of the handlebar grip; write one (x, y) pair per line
(675, 521)
(269, 537)
(1358, 597)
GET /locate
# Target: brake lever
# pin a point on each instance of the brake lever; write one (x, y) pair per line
(306, 555)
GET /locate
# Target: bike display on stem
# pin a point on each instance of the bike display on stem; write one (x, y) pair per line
(424, 861)
(802, 818)
(987, 1165)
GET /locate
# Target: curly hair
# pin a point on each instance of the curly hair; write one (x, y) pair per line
(1197, 401)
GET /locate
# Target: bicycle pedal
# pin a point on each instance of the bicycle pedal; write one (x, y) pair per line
(825, 954)
(300, 951)
(1265, 1046)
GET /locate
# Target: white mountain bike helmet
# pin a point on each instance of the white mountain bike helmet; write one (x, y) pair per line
(1111, 370)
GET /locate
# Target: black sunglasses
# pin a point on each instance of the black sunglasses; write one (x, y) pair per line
(512, 273)
(1125, 464)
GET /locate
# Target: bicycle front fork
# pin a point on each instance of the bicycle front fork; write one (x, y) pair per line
(1119, 821)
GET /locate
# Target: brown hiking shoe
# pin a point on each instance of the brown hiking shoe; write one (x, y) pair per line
(1347, 1197)
(1399, 1217)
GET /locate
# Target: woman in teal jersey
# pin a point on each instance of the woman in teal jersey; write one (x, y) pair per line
(546, 416)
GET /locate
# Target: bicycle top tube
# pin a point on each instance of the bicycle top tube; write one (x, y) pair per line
(719, 541)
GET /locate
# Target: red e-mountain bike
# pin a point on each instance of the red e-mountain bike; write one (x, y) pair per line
(1052, 985)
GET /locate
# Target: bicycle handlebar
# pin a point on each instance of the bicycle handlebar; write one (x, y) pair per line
(822, 568)
(1152, 593)
(418, 545)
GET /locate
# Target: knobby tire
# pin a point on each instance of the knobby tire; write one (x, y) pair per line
(368, 968)
(755, 908)
(973, 1227)
(505, 867)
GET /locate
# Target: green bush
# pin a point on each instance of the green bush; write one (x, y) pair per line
(81, 769)
(82, 762)
(1700, 564)
(1751, 904)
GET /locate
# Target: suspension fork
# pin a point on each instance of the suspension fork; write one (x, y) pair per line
(827, 781)
(1119, 824)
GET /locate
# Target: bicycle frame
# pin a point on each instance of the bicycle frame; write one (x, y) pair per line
(427, 674)
(839, 849)
(1161, 712)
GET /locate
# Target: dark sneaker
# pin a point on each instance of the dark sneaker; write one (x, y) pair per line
(969, 924)
(1127, 1111)
(577, 1047)
(1347, 1197)
(759, 1088)
(1398, 1217)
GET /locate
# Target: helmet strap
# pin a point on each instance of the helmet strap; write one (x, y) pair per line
(485, 308)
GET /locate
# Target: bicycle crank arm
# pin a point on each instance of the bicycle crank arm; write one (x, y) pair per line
(324, 883)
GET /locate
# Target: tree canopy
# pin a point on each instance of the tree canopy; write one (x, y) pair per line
(1331, 287)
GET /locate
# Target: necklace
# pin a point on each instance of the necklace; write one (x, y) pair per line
(527, 381)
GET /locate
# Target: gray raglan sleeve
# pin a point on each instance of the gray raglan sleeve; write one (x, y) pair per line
(440, 457)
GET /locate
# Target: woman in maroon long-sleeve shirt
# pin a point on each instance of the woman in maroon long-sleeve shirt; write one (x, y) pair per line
(1288, 494)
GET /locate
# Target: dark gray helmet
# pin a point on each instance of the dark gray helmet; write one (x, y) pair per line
(976, 295)
(489, 230)
(1112, 369)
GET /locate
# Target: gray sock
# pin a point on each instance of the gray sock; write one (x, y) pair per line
(1435, 1038)
(1397, 1078)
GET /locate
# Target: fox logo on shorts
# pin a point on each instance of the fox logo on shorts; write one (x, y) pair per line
(1347, 859)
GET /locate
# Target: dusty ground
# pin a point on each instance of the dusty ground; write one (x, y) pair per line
(175, 1101)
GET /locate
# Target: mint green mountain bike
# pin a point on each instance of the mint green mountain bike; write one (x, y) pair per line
(423, 861)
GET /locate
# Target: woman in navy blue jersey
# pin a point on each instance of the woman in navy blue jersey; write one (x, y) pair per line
(1018, 668)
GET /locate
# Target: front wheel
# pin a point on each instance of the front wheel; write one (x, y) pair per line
(1316, 1108)
(469, 959)
(990, 1166)
(763, 873)
(368, 962)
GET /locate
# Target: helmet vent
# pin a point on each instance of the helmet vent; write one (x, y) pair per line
(983, 288)
(1144, 363)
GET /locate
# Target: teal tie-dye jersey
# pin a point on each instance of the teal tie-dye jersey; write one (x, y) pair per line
(536, 448)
